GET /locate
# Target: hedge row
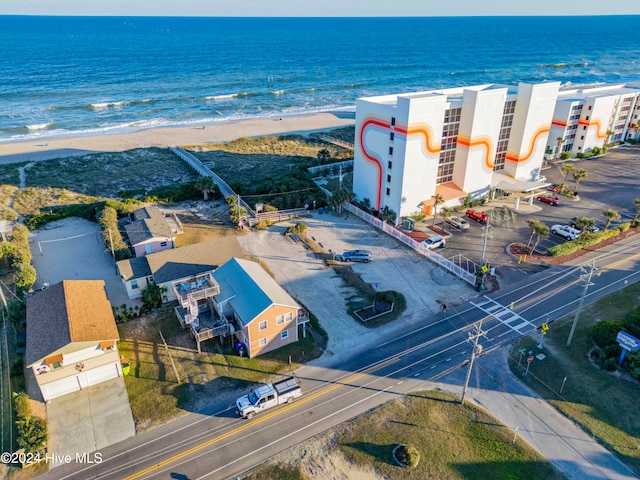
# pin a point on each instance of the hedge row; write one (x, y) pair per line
(585, 241)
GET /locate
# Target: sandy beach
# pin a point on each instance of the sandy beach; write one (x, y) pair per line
(48, 148)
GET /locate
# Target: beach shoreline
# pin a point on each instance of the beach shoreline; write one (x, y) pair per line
(39, 149)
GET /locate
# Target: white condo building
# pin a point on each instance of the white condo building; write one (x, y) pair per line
(466, 141)
(593, 116)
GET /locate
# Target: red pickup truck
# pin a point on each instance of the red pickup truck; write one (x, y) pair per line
(477, 216)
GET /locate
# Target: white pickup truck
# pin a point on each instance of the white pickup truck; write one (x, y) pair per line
(267, 396)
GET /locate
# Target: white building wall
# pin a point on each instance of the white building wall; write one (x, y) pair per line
(480, 122)
(371, 150)
(560, 126)
(420, 132)
(530, 129)
(594, 122)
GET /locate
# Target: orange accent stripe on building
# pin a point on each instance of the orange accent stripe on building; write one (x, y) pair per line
(513, 157)
(483, 141)
(559, 123)
(596, 122)
(421, 129)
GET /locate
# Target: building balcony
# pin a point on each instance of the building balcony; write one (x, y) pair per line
(196, 288)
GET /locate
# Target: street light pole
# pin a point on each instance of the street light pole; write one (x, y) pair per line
(584, 294)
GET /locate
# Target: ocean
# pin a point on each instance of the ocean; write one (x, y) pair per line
(91, 75)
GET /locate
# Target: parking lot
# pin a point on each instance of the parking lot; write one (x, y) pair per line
(612, 182)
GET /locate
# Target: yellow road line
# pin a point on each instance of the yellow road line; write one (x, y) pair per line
(259, 419)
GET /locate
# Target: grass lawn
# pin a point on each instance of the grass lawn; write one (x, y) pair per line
(604, 404)
(154, 392)
(454, 441)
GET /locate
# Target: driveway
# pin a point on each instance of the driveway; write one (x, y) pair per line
(89, 420)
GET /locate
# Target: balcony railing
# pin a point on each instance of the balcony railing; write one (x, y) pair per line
(195, 288)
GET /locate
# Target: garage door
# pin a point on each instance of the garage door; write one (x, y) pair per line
(61, 387)
(101, 374)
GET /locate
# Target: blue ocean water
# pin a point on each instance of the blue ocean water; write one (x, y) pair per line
(84, 75)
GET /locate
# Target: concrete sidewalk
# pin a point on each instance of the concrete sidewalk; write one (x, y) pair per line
(557, 438)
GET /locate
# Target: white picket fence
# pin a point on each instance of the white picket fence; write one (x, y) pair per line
(407, 240)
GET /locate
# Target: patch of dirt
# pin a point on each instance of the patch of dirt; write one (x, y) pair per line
(320, 459)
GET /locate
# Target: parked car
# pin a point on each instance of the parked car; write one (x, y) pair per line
(565, 231)
(573, 223)
(459, 223)
(364, 256)
(477, 216)
(553, 200)
(433, 242)
(554, 187)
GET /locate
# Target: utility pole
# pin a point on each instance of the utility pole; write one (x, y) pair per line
(476, 349)
(484, 243)
(587, 283)
(113, 253)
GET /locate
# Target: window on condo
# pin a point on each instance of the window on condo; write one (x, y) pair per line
(262, 325)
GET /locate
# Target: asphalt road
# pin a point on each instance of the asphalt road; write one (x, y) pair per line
(218, 445)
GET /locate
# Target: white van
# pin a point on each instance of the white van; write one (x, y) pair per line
(364, 256)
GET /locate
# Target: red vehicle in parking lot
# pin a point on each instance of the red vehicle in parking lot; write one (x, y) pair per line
(550, 200)
(477, 216)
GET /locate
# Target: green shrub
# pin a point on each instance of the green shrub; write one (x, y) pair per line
(21, 404)
(587, 240)
(407, 455)
(604, 333)
(632, 363)
(32, 433)
(623, 227)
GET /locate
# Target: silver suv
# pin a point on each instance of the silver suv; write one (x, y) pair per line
(433, 242)
(565, 231)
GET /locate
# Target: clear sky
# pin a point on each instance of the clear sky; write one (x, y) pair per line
(328, 8)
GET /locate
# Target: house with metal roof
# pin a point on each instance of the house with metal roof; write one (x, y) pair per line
(264, 315)
(152, 231)
(71, 337)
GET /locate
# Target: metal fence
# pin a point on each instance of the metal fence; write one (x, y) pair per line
(407, 240)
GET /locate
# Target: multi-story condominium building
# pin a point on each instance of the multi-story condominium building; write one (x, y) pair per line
(593, 116)
(454, 142)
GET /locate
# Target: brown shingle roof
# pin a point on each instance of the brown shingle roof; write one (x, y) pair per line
(69, 311)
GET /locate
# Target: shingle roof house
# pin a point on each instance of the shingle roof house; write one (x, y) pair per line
(151, 231)
(71, 337)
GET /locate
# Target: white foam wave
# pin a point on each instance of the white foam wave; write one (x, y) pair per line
(38, 126)
(99, 106)
(222, 97)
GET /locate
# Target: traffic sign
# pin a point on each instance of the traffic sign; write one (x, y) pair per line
(545, 328)
(530, 359)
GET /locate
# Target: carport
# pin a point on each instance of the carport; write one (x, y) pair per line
(523, 189)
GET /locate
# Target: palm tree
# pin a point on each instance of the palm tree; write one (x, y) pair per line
(446, 212)
(610, 215)
(538, 230)
(608, 135)
(637, 204)
(567, 168)
(559, 142)
(437, 200)
(585, 223)
(578, 175)
(206, 185)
